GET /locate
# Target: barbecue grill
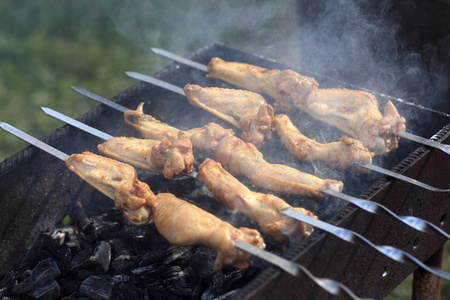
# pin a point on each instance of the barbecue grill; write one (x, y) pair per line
(38, 191)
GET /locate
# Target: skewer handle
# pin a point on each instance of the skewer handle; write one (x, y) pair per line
(421, 140)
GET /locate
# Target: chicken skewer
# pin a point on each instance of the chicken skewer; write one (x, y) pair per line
(400, 133)
(170, 157)
(357, 151)
(234, 246)
(263, 208)
(369, 206)
(179, 222)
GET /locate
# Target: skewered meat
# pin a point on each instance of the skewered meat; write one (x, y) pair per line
(182, 223)
(263, 208)
(339, 155)
(169, 157)
(246, 110)
(117, 181)
(204, 139)
(244, 160)
(354, 112)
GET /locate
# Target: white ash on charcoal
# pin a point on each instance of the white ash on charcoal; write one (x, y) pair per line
(105, 257)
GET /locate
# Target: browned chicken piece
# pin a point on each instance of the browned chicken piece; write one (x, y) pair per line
(339, 155)
(263, 208)
(117, 181)
(244, 160)
(354, 112)
(203, 139)
(182, 223)
(169, 157)
(280, 85)
(246, 110)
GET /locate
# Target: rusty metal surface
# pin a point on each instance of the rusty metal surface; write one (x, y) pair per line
(36, 188)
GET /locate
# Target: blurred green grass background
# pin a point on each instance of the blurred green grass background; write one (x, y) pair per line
(48, 46)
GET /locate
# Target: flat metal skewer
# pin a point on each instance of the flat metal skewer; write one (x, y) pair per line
(331, 286)
(353, 237)
(178, 90)
(369, 206)
(405, 135)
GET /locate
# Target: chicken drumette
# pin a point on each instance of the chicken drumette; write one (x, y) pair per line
(354, 112)
(263, 208)
(171, 157)
(239, 158)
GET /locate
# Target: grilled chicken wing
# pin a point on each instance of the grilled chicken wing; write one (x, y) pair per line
(263, 208)
(246, 110)
(117, 181)
(182, 223)
(169, 157)
(339, 155)
(244, 160)
(354, 112)
(204, 139)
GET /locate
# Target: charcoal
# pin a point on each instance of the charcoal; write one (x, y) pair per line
(153, 256)
(179, 254)
(46, 269)
(104, 229)
(124, 264)
(7, 282)
(80, 218)
(63, 255)
(187, 285)
(96, 288)
(202, 261)
(155, 273)
(126, 291)
(93, 260)
(53, 239)
(47, 289)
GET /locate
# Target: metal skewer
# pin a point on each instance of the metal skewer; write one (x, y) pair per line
(176, 89)
(405, 135)
(369, 206)
(331, 286)
(353, 237)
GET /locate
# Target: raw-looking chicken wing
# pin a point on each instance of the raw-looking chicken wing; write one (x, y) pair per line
(117, 181)
(263, 208)
(171, 157)
(182, 223)
(244, 160)
(204, 139)
(354, 112)
(246, 110)
(339, 155)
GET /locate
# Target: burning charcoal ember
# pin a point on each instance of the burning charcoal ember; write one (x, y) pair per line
(42, 275)
(52, 239)
(104, 228)
(93, 260)
(80, 217)
(7, 282)
(125, 291)
(63, 255)
(96, 288)
(178, 254)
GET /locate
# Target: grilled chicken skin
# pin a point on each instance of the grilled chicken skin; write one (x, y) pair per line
(263, 208)
(354, 112)
(246, 110)
(204, 139)
(182, 223)
(169, 157)
(117, 181)
(339, 155)
(244, 160)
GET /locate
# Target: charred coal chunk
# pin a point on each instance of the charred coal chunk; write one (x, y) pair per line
(41, 283)
(7, 283)
(123, 264)
(93, 260)
(187, 285)
(96, 288)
